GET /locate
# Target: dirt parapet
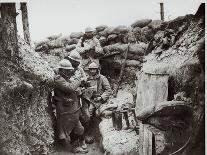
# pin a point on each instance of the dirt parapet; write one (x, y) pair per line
(26, 127)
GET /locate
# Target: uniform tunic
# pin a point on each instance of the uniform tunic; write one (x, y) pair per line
(67, 106)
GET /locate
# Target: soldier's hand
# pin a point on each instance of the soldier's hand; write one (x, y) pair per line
(97, 99)
(93, 88)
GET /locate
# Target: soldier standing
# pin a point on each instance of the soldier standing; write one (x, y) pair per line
(75, 60)
(67, 105)
(89, 48)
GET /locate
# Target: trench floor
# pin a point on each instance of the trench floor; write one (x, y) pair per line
(93, 149)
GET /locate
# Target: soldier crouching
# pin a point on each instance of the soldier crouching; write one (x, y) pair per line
(95, 96)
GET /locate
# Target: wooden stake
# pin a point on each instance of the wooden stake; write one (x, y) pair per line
(162, 11)
(25, 22)
(122, 69)
(8, 39)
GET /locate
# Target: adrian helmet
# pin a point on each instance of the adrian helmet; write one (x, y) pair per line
(65, 64)
(88, 29)
(74, 55)
(93, 65)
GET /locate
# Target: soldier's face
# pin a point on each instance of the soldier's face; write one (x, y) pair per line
(89, 34)
(75, 64)
(93, 71)
(67, 73)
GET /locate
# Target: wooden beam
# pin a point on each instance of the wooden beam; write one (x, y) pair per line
(25, 22)
(162, 11)
(146, 140)
(8, 39)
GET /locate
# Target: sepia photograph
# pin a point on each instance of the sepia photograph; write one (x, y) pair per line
(102, 77)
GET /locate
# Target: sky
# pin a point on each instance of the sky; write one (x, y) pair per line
(50, 17)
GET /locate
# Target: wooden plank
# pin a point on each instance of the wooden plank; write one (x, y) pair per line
(145, 138)
(25, 22)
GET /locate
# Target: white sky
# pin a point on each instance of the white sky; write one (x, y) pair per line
(48, 17)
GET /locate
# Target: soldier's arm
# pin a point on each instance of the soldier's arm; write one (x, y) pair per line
(107, 89)
(83, 75)
(98, 48)
(65, 86)
(79, 48)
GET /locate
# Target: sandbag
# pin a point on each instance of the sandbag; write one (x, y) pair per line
(43, 47)
(54, 37)
(131, 56)
(141, 23)
(65, 38)
(165, 108)
(101, 28)
(112, 37)
(68, 41)
(132, 63)
(97, 36)
(55, 44)
(40, 43)
(155, 24)
(147, 33)
(137, 49)
(107, 31)
(136, 30)
(158, 36)
(76, 35)
(115, 48)
(70, 47)
(103, 41)
(121, 29)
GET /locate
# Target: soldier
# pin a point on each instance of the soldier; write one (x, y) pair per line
(67, 105)
(75, 60)
(89, 48)
(97, 94)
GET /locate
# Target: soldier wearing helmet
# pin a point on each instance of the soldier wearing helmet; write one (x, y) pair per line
(89, 48)
(67, 105)
(100, 91)
(79, 73)
(75, 59)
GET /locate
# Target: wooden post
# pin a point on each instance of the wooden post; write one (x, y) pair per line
(162, 11)
(25, 22)
(8, 33)
(146, 140)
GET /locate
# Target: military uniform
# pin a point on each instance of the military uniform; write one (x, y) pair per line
(67, 106)
(101, 88)
(90, 50)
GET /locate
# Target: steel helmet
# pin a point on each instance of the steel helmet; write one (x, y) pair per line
(74, 55)
(88, 29)
(65, 64)
(93, 65)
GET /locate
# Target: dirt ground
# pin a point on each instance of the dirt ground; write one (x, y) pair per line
(93, 149)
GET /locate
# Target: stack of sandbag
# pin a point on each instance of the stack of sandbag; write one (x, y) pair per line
(58, 41)
(155, 24)
(115, 48)
(145, 29)
(54, 37)
(141, 23)
(69, 48)
(111, 35)
(135, 54)
(76, 35)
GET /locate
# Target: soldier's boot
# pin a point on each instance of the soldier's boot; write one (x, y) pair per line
(76, 148)
(83, 144)
(89, 139)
